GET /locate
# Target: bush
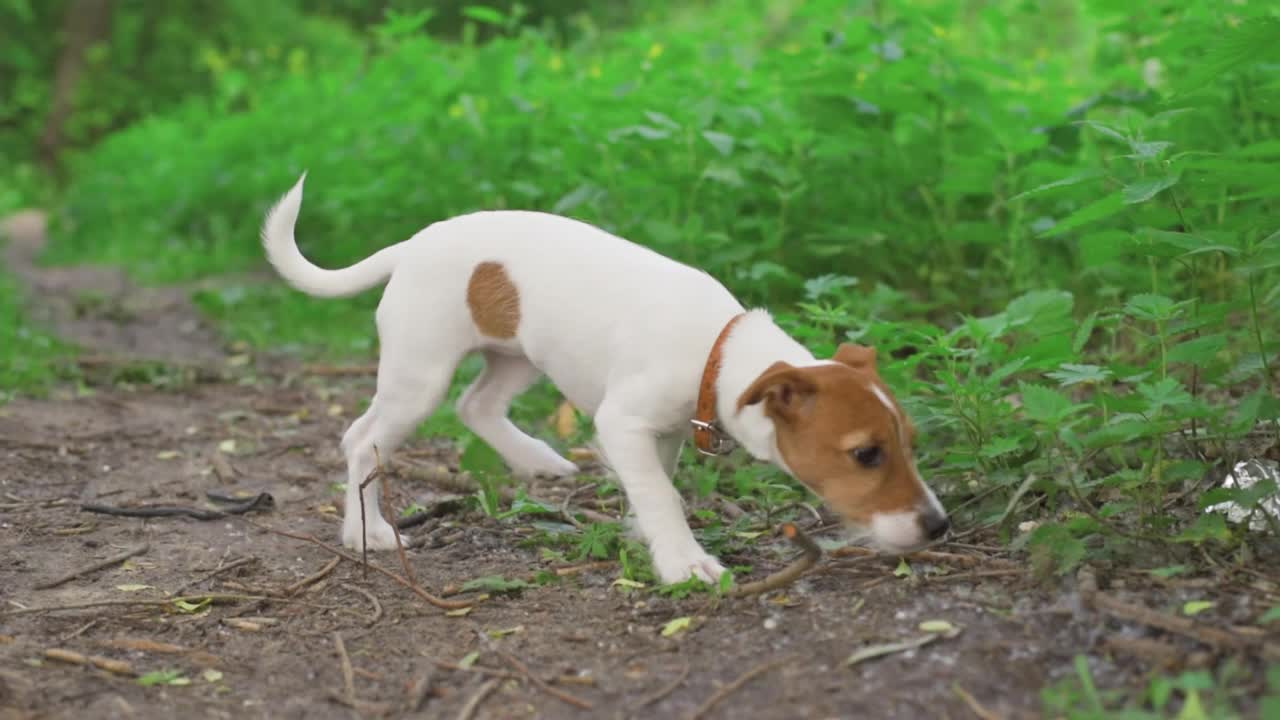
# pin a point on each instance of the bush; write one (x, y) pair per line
(1057, 219)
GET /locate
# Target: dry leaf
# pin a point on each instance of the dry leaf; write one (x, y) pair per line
(565, 420)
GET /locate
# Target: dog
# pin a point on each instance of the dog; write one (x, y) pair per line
(654, 350)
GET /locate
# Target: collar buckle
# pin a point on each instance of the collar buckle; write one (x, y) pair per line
(718, 441)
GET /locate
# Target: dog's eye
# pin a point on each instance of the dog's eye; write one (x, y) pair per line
(869, 457)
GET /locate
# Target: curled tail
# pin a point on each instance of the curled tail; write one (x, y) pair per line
(283, 254)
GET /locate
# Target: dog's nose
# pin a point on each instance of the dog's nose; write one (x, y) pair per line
(935, 524)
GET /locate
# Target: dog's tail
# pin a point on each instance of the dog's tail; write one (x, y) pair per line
(283, 254)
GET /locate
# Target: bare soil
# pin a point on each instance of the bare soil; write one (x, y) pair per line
(224, 422)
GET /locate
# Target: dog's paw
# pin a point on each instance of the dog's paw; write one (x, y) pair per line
(673, 566)
(380, 534)
(543, 464)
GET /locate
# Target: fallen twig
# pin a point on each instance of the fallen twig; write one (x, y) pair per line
(663, 691)
(875, 651)
(974, 705)
(313, 578)
(340, 370)
(732, 687)
(565, 512)
(232, 506)
(419, 690)
(145, 645)
(215, 572)
(119, 667)
(540, 683)
(932, 556)
(373, 600)
(417, 590)
(474, 702)
(543, 685)
(789, 574)
(1122, 610)
(100, 565)
(977, 575)
(212, 597)
(493, 672)
(348, 675)
(386, 500)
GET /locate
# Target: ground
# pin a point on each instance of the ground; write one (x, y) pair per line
(213, 419)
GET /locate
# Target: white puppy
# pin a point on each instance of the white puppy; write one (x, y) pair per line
(642, 343)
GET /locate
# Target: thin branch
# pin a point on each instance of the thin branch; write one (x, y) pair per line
(100, 565)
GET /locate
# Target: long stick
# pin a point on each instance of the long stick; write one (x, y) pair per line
(100, 565)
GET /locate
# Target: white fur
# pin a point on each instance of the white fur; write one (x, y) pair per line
(622, 331)
(897, 531)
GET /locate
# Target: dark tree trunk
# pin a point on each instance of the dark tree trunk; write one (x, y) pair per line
(86, 22)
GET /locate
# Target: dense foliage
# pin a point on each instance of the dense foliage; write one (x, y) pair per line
(1056, 220)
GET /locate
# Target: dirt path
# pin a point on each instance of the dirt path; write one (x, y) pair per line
(263, 425)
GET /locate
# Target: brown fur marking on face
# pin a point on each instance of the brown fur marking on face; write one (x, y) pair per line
(494, 301)
(818, 411)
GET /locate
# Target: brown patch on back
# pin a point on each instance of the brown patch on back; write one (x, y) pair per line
(494, 301)
(819, 411)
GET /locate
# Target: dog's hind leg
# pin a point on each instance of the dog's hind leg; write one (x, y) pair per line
(484, 405)
(410, 387)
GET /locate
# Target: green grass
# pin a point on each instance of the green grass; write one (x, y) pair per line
(31, 360)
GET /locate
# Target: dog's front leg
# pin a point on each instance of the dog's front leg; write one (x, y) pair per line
(632, 449)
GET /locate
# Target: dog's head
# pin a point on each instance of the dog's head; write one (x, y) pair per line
(840, 431)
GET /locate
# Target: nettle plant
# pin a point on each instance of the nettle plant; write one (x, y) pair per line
(1100, 412)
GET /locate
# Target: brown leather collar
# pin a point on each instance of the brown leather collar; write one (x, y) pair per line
(708, 437)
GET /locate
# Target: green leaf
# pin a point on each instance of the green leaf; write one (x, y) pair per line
(1270, 616)
(164, 677)
(1084, 332)
(481, 459)
(1144, 190)
(1098, 210)
(1198, 351)
(1074, 179)
(1070, 374)
(190, 607)
(1169, 571)
(495, 584)
(676, 626)
(937, 626)
(483, 14)
(1207, 527)
(903, 569)
(1044, 405)
(1057, 544)
(1164, 393)
(1148, 306)
(1195, 607)
(721, 142)
(1039, 306)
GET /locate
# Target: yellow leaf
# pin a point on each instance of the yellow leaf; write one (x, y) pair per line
(676, 626)
(132, 587)
(460, 612)
(565, 420)
(211, 675)
(335, 410)
(937, 626)
(167, 454)
(228, 446)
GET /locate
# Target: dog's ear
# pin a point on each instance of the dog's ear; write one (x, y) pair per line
(858, 357)
(786, 391)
